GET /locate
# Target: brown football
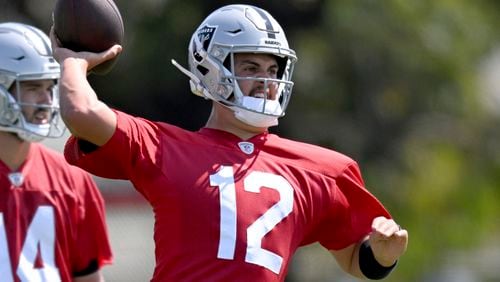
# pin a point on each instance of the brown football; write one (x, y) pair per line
(89, 25)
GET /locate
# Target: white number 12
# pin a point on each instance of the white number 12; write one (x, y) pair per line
(224, 179)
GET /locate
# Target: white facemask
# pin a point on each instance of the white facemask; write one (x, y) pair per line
(34, 132)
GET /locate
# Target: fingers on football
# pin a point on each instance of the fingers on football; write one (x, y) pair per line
(113, 51)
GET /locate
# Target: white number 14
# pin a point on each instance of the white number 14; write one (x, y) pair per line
(40, 236)
(224, 179)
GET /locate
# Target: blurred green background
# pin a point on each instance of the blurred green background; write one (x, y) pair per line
(410, 89)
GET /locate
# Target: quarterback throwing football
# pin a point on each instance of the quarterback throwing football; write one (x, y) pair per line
(232, 201)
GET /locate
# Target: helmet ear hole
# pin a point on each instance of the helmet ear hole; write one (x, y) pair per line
(203, 70)
(10, 117)
(197, 56)
(282, 62)
(227, 62)
(10, 110)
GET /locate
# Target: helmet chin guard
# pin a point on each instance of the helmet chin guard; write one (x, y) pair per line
(265, 113)
(26, 55)
(239, 29)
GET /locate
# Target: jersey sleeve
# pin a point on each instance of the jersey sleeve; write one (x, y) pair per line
(91, 244)
(134, 140)
(353, 209)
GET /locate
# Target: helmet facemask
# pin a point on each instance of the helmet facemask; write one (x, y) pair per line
(16, 115)
(262, 111)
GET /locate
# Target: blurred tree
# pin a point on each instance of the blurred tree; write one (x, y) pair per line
(395, 83)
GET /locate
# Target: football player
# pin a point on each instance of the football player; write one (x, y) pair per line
(52, 220)
(232, 201)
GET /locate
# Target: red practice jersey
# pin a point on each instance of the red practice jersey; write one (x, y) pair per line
(228, 209)
(52, 220)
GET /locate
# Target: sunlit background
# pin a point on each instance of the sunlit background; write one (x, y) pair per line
(410, 89)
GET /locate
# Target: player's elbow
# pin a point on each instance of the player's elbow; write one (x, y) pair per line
(95, 124)
(74, 117)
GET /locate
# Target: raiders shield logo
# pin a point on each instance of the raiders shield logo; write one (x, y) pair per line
(16, 178)
(246, 147)
(205, 35)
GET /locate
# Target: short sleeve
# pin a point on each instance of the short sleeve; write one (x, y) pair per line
(91, 243)
(353, 209)
(134, 140)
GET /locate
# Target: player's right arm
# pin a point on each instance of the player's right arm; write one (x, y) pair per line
(84, 114)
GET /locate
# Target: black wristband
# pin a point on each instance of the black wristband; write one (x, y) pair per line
(369, 266)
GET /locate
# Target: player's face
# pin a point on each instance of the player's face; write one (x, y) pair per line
(256, 66)
(35, 96)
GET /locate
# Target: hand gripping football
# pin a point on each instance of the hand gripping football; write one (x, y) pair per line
(89, 25)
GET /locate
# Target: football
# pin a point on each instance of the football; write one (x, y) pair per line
(89, 25)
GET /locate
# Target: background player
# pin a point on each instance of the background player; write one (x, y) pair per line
(232, 202)
(52, 220)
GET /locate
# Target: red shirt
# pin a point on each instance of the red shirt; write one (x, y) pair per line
(233, 210)
(52, 220)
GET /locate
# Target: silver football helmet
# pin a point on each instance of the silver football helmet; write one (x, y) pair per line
(239, 29)
(25, 54)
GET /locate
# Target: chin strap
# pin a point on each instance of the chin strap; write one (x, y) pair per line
(35, 132)
(21, 134)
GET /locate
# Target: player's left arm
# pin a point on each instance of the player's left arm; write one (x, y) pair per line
(376, 255)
